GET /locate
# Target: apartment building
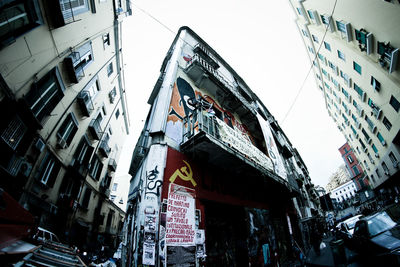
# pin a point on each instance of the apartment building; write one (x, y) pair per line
(64, 115)
(353, 167)
(353, 48)
(212, 170)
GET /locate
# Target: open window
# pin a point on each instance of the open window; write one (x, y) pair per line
(389, 56)
(78, 61)
(364, 39)
(67, 131)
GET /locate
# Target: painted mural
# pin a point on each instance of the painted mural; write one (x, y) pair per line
(182, 94)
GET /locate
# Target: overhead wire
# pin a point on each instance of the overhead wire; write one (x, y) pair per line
(311, 67)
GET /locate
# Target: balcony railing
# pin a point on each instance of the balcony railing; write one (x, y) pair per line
(104, 149)
(95, 129)
(213, 80)
(202, 122)
(112, 165)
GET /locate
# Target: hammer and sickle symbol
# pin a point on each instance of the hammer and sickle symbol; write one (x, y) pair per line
(184, 174)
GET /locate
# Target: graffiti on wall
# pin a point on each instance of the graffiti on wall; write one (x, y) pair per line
(179, 108)
(153, 185)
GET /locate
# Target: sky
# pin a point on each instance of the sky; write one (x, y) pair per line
(260, 41)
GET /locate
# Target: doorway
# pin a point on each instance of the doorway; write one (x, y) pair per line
(226, 235)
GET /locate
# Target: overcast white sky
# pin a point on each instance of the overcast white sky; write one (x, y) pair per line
(260, 41)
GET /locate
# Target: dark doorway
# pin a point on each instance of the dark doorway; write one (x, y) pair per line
(226, 235)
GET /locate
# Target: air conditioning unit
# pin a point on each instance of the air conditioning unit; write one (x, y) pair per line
(61, 143)
(40, 145)
(25, 168)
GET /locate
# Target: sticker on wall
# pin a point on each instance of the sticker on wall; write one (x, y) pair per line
(180, 227)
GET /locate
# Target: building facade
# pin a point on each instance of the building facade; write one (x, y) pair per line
(353, 167)
(64, 115)
(214, 178)
(354, 54)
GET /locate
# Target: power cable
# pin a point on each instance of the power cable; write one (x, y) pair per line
(312, 65)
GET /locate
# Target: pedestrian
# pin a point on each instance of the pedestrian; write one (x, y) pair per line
(316, 239)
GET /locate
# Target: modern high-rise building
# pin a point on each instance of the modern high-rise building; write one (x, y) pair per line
(64, 114)
(214, 177)
(353, 48)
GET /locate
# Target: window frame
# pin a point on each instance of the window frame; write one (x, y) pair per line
(357, 67)
(394, 103)
(33, 15)
(38, 93)
(68, 129)
(48, 170)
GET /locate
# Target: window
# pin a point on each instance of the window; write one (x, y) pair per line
(371, 124)
(311, 50)
(327, 20)
(83, 152)
(375, 84)
(387, 123)
(327, 46)
(357, 67)
(393, 159)
(341, 55)
(299, 11)
(78, 61)
(67, 131)
(394, 103)
(18, 17)
(112, 94)
(115, 186)
(117, 114)
(64, 11)
(106, 40)
(48, 169)
(375, 150)
(360, 92)
(14, 132)
(385, 168)
(346, 78)
(95, 126)
(304, 33)
(86, 198)
(87, 95)
(110, 69)
(345, 30)
(381, 139)
(311, 14)
(45, 94)
(373, 178)
(96, 167)
(350, 159)
(356, 171)
(378, 173)
(315, 38)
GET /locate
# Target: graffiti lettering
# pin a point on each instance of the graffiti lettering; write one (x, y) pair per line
(184, 174)
(151, 176)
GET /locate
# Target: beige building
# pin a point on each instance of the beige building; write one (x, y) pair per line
(354, 48)
(64, 112)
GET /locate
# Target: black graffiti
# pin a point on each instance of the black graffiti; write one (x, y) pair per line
(151, 176)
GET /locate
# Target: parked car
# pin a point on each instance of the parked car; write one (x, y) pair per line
(43, 235)
(345, 229)
(377, 238)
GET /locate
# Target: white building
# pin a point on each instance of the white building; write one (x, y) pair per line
(344, 192)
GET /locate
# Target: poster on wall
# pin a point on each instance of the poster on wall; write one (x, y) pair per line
(279, 167)
(181, 225)
(149, 251)
(181, 256)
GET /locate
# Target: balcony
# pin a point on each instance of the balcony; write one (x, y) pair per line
(364, 39)
(389, 56)
(104, 149)
(206, 76)
(95, 129)
(112, 165)
(208, 136)
(85, 103)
